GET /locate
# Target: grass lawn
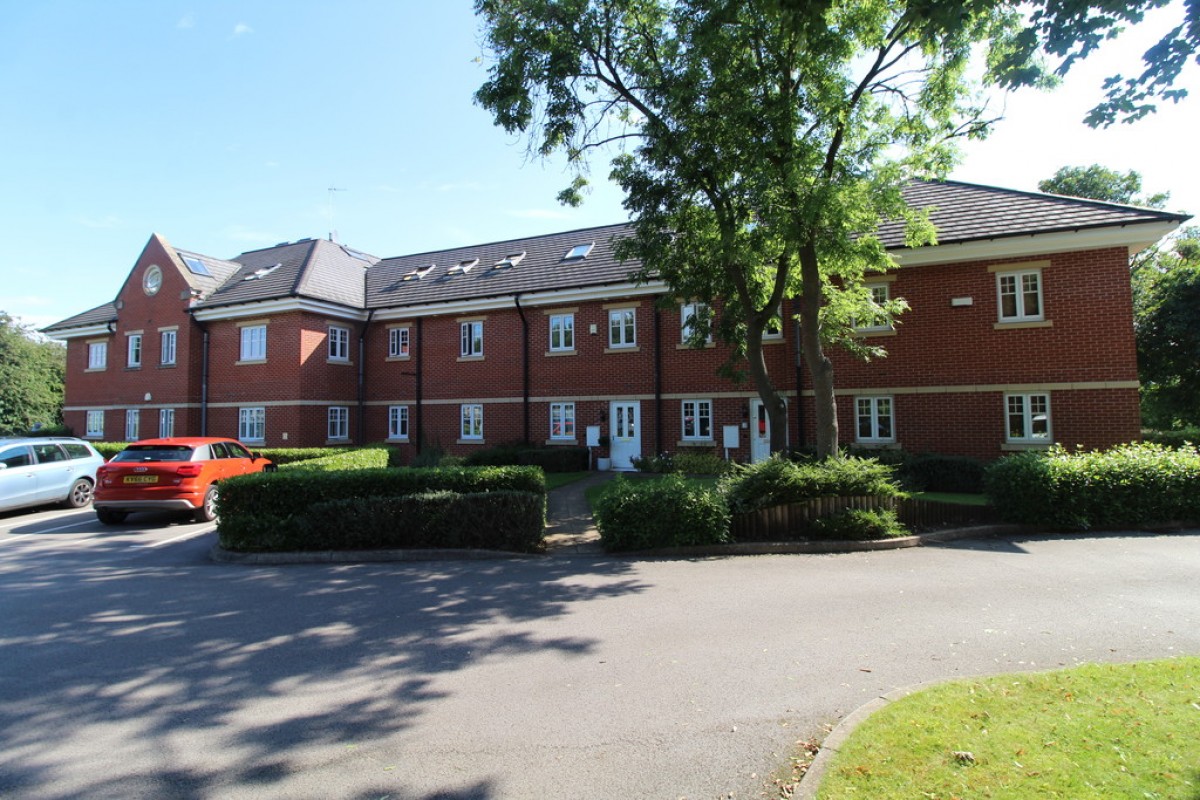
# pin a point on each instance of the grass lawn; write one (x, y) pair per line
(1096, 731)
(557, 479)
(953, 497)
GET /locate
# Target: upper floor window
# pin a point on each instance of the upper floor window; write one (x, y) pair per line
(622, 327)
(562, 332)
(95, 423)
(398, 342)
(134, 350)
(397, 422)
(1020, 295)
(697, 419)
(774, 326)
(97, 355)
(877, 319)
(339, 343)
(167, 346)
(562, 421)
(695, 318)
(873, 419)
(252, 424)
(339, 422)
(1028, 418)
(472, 339)
(254, 343)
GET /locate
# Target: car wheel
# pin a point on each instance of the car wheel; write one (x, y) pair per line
(207, 512)
(80, 495)
(108, 516)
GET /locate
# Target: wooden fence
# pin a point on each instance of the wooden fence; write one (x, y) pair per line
(791, 522)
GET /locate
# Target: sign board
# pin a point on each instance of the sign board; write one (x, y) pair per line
(593, 435)
(731, 437)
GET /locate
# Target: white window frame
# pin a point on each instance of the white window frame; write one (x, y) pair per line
(166, 423)
(471, 339)
(880, 294)
(133, 351)
(132, 423)
(252, 424)
(1020, 294)
(562, 414)
(398, 342)
(97, 355)
(339, 423)
(254, 343)
(769, 335)
(562, 325)
(622, 321)
(339, 343)
(701, 412)
(168, 344)
(398, 423)
(690, 311)
(94, 422)
(471, 422)
(873, 409)
(1022, 405)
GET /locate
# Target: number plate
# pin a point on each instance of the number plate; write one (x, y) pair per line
(141, 479)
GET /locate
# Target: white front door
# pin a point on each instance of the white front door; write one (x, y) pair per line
(626, 439)
(760, 432)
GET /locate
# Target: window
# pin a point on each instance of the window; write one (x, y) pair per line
(562, 332)
(1020, 295)
(697, 420)
(472, 421)
(1028, 418)
(879, 320)
(167, 347)
(774, 327)
(16, 457)
(254, 343)
(339, 344)
(252, 424)
(134, 350)
(693, 318)
(339, 422)
(95, 424)
(397, 422)
(622, 327)
(97, 355)
(131, 424)
(562, 421)
(579, 251)
(472, 339)
(873, 419)
(166, 422)
(398, 343)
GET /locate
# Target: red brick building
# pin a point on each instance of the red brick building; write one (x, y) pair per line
(1019, 334)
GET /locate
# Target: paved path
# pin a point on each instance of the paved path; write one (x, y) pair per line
(570, 528)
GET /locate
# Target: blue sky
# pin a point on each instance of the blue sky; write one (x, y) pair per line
(222, 125)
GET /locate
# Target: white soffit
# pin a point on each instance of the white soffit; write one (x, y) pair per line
(1134, 237)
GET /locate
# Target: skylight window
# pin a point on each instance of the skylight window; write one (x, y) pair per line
(510, 260)
(579, 251)
(361, 256)
(462, 267)
(262, 272)
(196, 266)
(418, 273)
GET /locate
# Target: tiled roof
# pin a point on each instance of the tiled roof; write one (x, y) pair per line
(542, 268)
(219, 271)
(312, 268)
(965, 212)
(95, 316)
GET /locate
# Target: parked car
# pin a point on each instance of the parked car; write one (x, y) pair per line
(178, 473)
(36, 471)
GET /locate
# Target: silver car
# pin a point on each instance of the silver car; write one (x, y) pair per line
(42, 470)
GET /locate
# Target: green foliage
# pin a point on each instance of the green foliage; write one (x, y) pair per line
(1184, 437)
(550, 459)
(31, 378)
(857, 525)
(661, 463)
(344, 459)
(1131, 484)
(109, 449)
(290, 455)
(778, 481)
(1167, 327)
(690, 463)
(1101, 183)
(670, 512)
(929, 472)
(431, 455)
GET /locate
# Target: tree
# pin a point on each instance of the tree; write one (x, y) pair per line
(761, 142)
(1167, 326)
(31, 378)
(1101, 183)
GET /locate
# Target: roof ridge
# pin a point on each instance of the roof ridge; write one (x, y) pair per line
(301, 281)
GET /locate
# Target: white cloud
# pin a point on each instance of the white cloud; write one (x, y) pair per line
(539, 213)
(109, 221)
(188, 20)
(241, 29)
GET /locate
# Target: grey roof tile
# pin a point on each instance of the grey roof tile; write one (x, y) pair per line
(94, 316)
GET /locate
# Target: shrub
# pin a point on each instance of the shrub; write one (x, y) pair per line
(550, 459)
(858, 525)
(700, 464)
(109, 449)
(670, 512)
(654, 464)
(291, 455)
(1128, 485)
(936, 473)
(1173, 439)
(361, 458)
(778, 481)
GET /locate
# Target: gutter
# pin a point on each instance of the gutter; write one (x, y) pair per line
(362, 377)
(658, 391)
(524, 369)
(419, 347)
(204, 353)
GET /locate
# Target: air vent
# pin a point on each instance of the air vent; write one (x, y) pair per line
(418, 273)
(510, 260)
(261, 273)
(462, 267)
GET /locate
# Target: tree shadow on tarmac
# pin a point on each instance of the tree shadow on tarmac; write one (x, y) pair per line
(127, 679)
(1012, 543)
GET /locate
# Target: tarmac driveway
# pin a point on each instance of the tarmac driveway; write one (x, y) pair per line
(156, 673)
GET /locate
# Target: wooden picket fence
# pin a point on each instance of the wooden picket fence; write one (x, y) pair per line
(791, 521)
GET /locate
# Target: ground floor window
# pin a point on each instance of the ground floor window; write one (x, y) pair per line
(95, 424)
(873, 420)
(252, 424)
(1028, 418)
(562, 420)
(166, 422)
(132, 416)
(472, 421)
(697, 419)
(398, 421)
(339, 422)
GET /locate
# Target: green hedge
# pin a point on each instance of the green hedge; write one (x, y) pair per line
(667, 512)
(1133, 484)
(857, 525)
(929, 472)
(550, 459)
(1174, 439)
(778, 481)
(344, 459)
(501, 520)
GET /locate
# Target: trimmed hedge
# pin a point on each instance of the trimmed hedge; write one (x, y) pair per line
(501, 520)
(345, 459)
(550, 459)
(1132, 484)
(857, 524)
(778, 481)
(929, 472)
(667, 512)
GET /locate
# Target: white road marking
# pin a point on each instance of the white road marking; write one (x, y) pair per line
(47, 530)
(181, 537)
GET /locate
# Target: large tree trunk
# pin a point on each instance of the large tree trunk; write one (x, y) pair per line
(771, 398)
(819, 365)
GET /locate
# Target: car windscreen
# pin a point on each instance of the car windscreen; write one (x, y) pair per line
(155, 452)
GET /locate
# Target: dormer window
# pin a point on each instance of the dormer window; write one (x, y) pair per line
(579, 251)
(462, 267)
(418, 273)
(510, 260)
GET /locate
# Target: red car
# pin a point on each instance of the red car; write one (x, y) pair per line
(179, 473)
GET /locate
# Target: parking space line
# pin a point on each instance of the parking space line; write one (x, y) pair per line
(17, 536)
(181, 537)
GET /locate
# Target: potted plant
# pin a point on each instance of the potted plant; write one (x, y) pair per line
(603, 463)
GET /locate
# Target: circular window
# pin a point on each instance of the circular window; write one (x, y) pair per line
(152, 280)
